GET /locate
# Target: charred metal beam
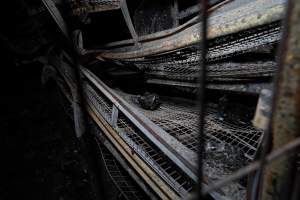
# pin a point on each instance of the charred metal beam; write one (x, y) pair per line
(125, 12)
(279, 177)
(244, 17)
(189, 11)
(51, 7)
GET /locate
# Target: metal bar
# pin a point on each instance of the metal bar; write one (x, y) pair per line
(175, 13)
(117, 141)
(142, 169)
(171, 83)
(153, 36)
(125, 12)
(164, 33)
(189, 11)
(201, 92)
(114, 116)
(245, 17)
(100, 136)
(50, 5)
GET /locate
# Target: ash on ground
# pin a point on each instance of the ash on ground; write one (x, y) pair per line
(221, 160)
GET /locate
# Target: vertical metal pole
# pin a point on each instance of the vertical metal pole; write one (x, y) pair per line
(129, 23)
(50, 5)
(201, 90)
(114, 116)
(279, 177)
(175, 13)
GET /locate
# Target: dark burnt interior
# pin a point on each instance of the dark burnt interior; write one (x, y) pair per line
(43, 158)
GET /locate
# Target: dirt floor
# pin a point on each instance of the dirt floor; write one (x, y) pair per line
(39, 155)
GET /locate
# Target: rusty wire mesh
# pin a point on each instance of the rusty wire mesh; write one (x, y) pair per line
(125, 184)
(184, 64)
(181, 121)
(151, 155)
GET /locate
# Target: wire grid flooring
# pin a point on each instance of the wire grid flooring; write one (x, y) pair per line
(183, 64)
(181, 121)
(215, 168)
(220, 161)
(155, 158)
(125, 184)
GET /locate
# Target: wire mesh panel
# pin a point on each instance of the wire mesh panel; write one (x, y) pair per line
(228, 146)
(125, 184)
(181, 121)
(184, 64)
(102, 103)
(151, 155)
(154, 157)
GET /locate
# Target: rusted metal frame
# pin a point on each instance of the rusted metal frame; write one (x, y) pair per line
(254, 14)
(135, 161)
(106, 126)
(261, 120)
(201, 92)
(249, 88)
(164, 33)
(148, 175)
(266, 143)
(172, 83)
(153, 36)
(183, 157)
(126, 15)
(278, 178)
(215, 194)
(285, 119)
(105, 141)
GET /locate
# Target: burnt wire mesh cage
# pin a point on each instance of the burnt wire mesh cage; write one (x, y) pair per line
(186, 146)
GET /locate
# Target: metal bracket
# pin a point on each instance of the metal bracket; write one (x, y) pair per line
(129, 23)
(114, 116)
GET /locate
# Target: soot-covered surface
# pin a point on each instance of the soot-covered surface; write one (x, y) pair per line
(39, 155)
